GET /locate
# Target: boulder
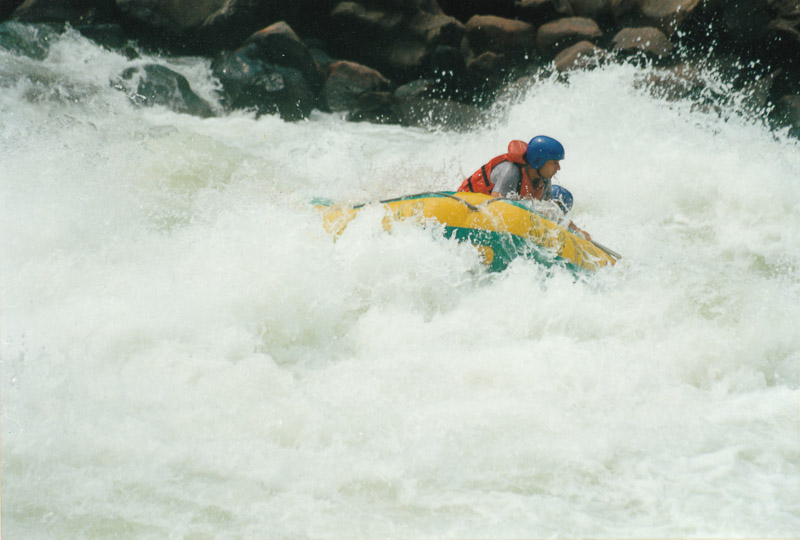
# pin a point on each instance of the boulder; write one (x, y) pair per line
(395, 42)
(486, 64)
(408, 6)
(666, 15)
(463, 10)
(648, 40)
(207, 26)
(426, 112)
(95, 19)
(436, 29)
(582, 55)
(439, 88)
(787, 114)
(360, 21)
(28, 40)
(417, 88)
(488, 33)
(375, 107)
(562, 33)
(348, 81)
(278, 44)
(73, 11)
(248, 82)
(596, 10)
(486, 73)
(681, 81)
(447, 61)
(542, 11)
(151, 85)
(783, 33)
(109, 35)
(7, 8)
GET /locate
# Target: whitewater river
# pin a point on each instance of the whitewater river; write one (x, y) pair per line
(187, 354)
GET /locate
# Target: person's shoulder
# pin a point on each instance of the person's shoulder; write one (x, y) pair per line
(505, 167)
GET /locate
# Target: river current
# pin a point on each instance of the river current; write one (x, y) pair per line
(187, 354)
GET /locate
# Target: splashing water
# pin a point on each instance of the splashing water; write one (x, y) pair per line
(186, 353)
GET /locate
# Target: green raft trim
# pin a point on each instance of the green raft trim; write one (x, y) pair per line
(507, 247)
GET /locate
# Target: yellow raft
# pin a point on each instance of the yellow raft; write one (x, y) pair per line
(501, 229)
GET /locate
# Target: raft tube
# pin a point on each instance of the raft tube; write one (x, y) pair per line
(501, 229)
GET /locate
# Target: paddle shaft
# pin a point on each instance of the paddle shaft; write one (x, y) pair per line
(611, 252)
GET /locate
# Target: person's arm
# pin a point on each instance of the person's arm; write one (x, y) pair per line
(506, 178)
(575, 228)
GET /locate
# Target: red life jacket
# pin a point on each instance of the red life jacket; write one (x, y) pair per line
(479, 181)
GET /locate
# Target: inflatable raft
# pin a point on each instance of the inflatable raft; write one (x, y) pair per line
(501, 229)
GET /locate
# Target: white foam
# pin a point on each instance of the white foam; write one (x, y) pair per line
(187, 353)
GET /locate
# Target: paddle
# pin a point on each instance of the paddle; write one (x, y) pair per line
(611, 252)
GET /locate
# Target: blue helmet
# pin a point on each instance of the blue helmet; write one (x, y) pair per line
(562, 197)
(542, 149)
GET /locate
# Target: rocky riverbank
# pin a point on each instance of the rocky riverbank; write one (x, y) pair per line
(423, 62)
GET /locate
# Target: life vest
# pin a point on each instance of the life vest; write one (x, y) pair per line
(479, 181)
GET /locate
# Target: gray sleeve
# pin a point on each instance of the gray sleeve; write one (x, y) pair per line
(506, 178)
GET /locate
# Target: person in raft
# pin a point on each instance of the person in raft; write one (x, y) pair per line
(524, 172)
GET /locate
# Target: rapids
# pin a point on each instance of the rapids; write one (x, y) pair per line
(186, 353)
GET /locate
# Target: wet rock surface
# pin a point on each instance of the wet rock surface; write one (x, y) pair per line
(361, 57)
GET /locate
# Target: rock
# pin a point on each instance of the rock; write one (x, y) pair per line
(463, 10)
(757, 92)
(109, 35)
(7, 8)
(152, 84)
(394, 42)
(368, 22)
(746, 21)
(250, 83)
(375, 107)
(486, 73)
(783, 33)
(420, 104)
(95, 19)
(666, 15)
(414, 89)
(31, 40)
(271, 69)
(436, 29)
(649, 40)
(582, 55)
(787, 114)
(559, 34)
(206, 26)
(274, 71)
(621, 8)
(408, 6)
(428, 112)
(73, 11)
(591, 9)
(439, 88)
(541, 11)
(486, 64)
(347, 82)
(488, 33)
(278, 44)
(785, 82)
(447, 61)
(681, 81)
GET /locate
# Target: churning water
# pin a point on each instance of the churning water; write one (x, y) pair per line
(187, 354)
